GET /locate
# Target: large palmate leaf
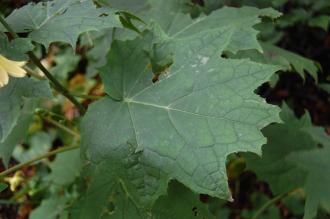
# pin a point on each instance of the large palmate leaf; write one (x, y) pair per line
(61, 20)
(182, 127)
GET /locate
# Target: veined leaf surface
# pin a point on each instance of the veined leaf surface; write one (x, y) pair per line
(182, 127)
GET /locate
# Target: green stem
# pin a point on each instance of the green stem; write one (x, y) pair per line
(270, 203)
(44, 112)
(28, 163)
(57, 85)
(8, 27)
(61, 126)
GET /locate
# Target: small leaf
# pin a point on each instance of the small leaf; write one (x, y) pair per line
(127, 19)
(321, 21)
(3, 186)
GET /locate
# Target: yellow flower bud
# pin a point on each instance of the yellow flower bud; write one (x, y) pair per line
(15, 180)
(10, 68)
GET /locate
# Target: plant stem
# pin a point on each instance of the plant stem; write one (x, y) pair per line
(90, 97)
(57, 85)
(27, 163)
(61, 126)
(8, 27)
(44, 112)
(270, 203)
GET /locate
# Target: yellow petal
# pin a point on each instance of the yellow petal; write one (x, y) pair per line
(12, 67)
(3, 77)
(19, 64)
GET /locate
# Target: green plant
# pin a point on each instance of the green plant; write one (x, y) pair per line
(166, 113)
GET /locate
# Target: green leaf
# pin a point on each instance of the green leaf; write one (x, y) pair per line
(104, 199)
(135, 6)
(179, 203)
(127, 20)
(50, 208)
(16, 49)
(315, 163)
(61, 20)
(295, 62)
(242, 20)
(18, 133)
(288, 61)
(66, 63)
(321, 21)
(12, 96)
(159, 48)
(182, 127)
(283, 139)
(39, 144)
(325, 87)
(319, 135)
(66, 168)
(107, 199)
(11, 99)
(3, 186)
(293, 159)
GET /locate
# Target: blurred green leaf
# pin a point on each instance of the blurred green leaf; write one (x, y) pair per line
(321, 21)
(39, 144)
(3, 186)
(65, 168)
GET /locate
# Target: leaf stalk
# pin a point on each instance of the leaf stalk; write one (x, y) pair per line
(29, 162)
(271, 202)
